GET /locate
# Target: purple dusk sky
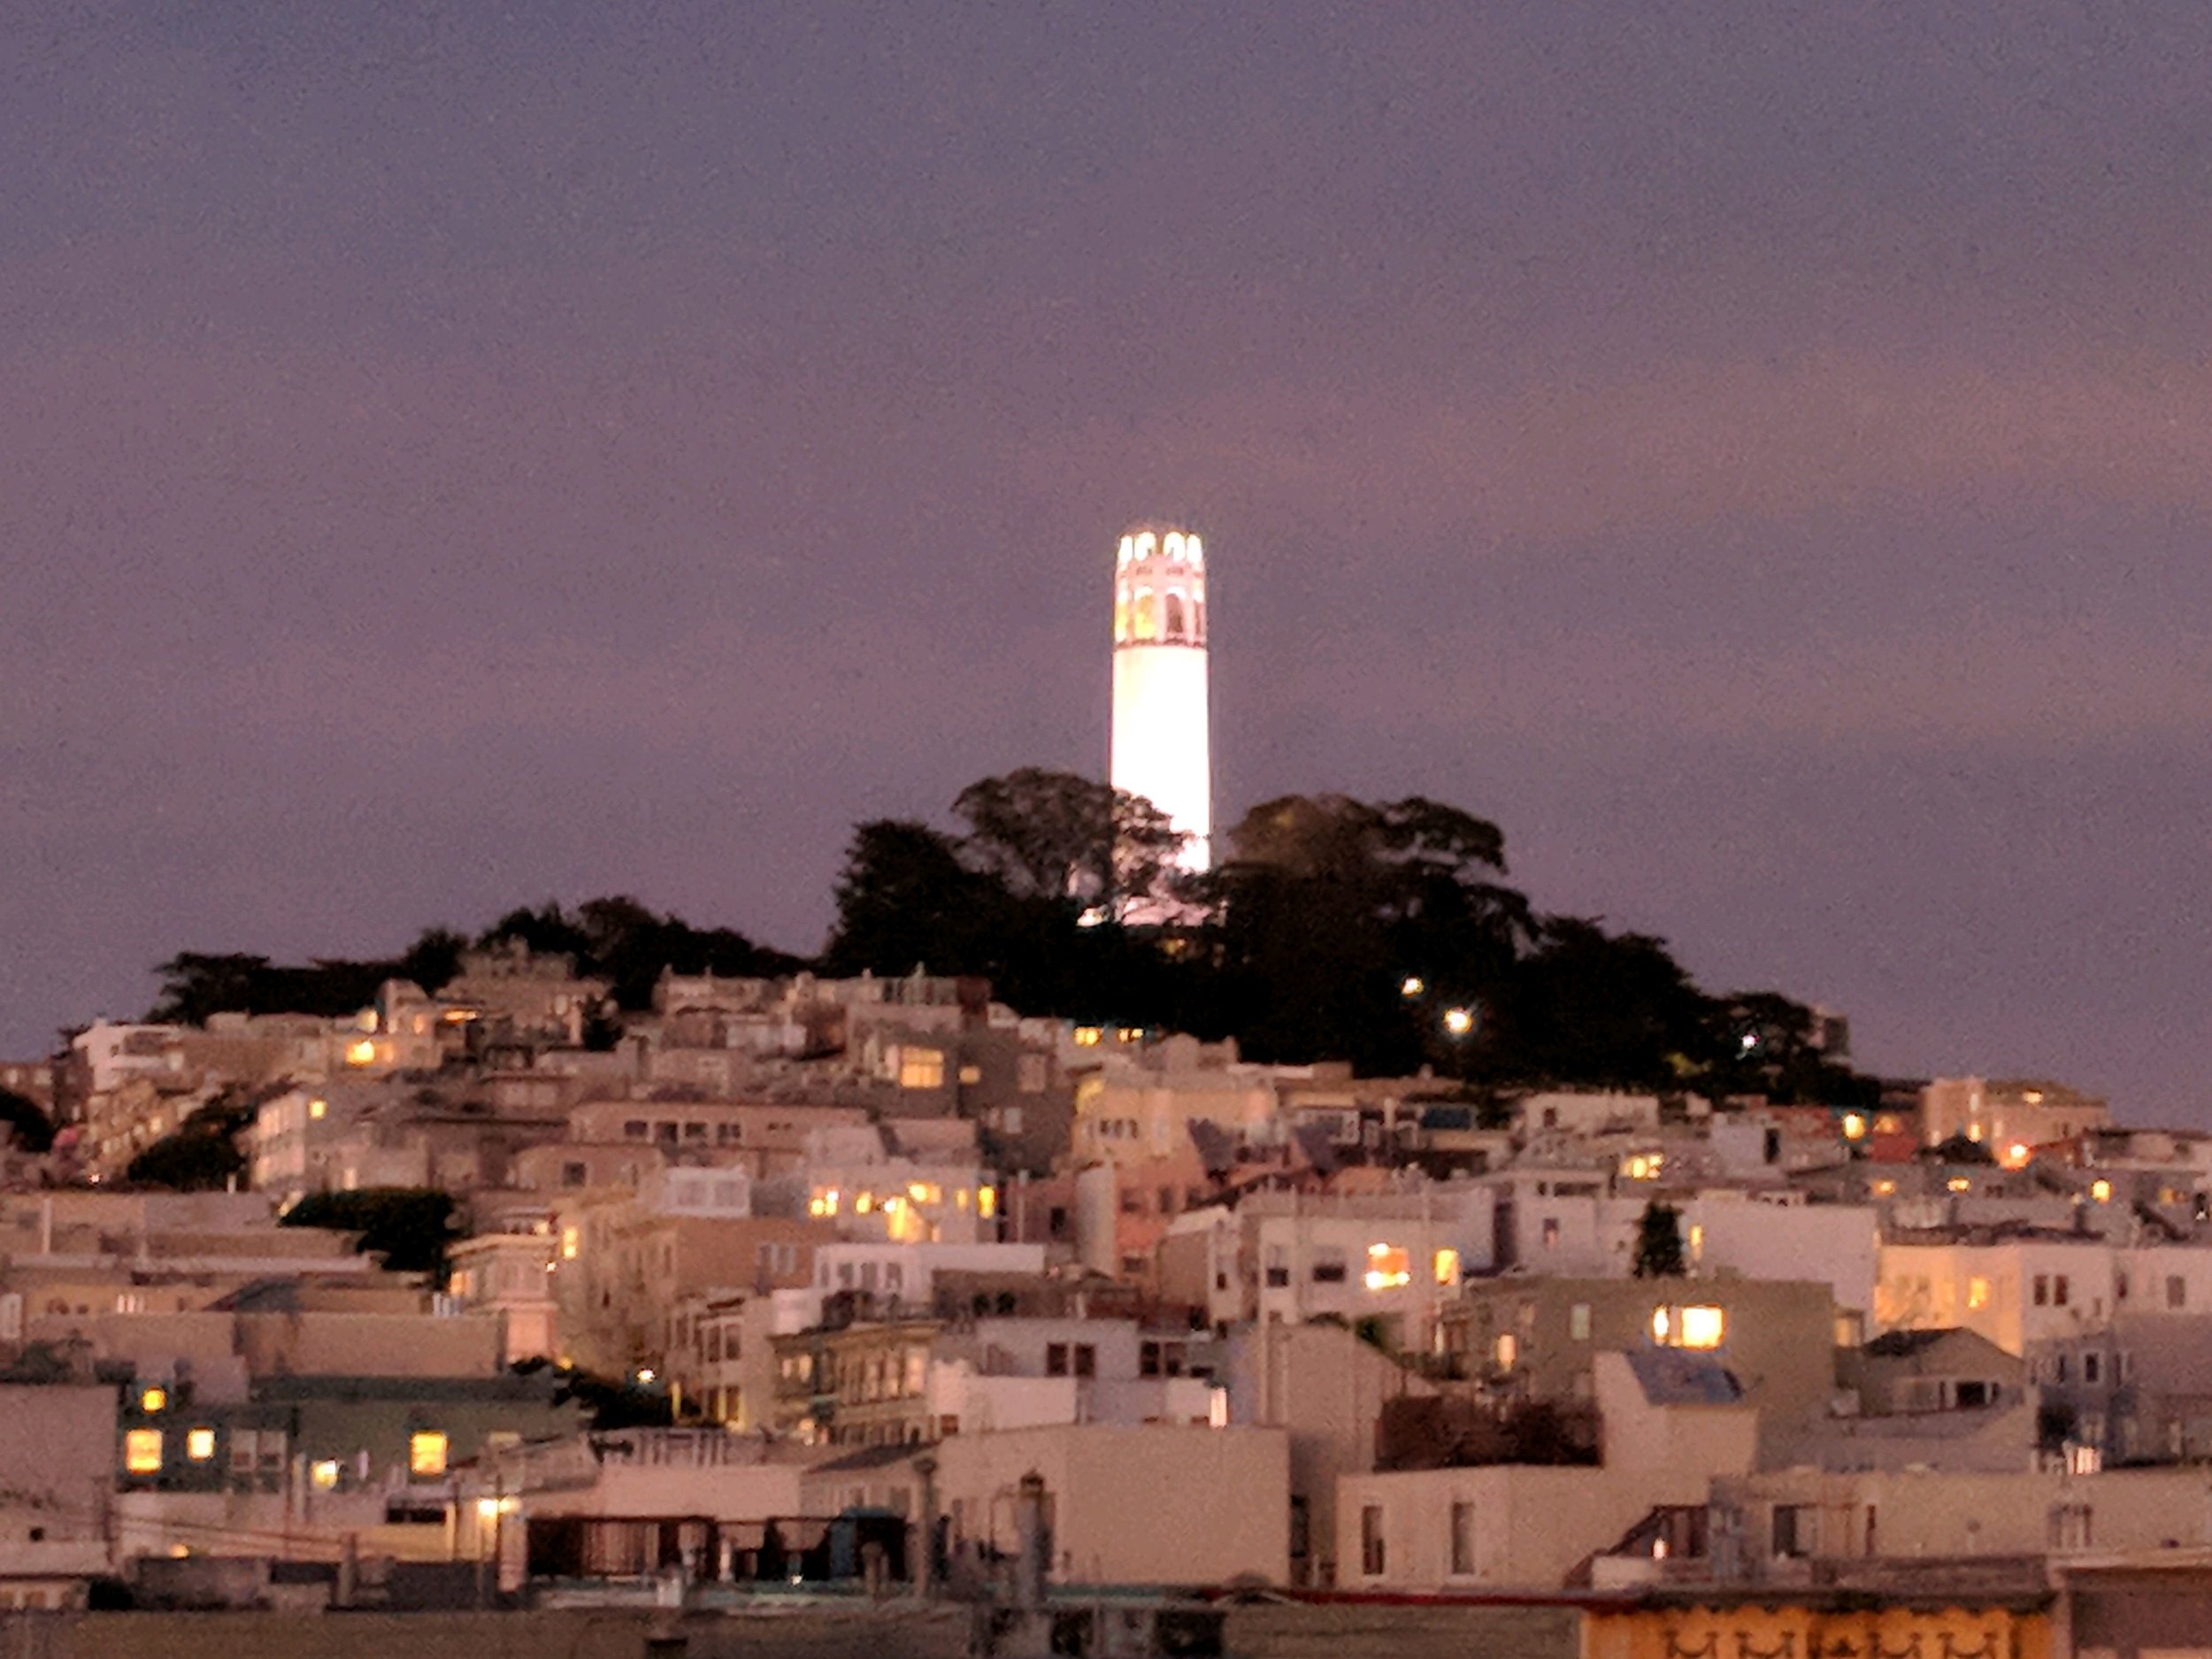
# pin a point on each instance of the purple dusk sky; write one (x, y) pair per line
(454, 454)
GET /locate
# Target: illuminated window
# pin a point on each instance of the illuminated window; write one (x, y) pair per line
(426, 1453)
(972, 1074)
(318, 1108)
(324, 1474)
(141, 1451)
(1959, 1183)
(153, 1400)
(1388, 1266)
(1853, 1127)
(1506, 1349)
(1147, 626)
(1699, 1328)
(2100, 1190)
(570, 1242)
(1446, 1267)
(921, 1068)
(1977, 1292)
(361, 1053)
(199, 1445)
(1088, 1036)
(925, 1192)
(986, 1202)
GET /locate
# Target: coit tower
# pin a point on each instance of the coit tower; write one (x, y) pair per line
(1160, 746)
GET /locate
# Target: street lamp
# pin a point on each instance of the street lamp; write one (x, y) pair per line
(1459, 1021)
(1412, 988)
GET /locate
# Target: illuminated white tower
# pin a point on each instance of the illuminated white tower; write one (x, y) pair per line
(1160, 746)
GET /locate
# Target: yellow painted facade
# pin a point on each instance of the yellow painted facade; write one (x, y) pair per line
(1779, 1630)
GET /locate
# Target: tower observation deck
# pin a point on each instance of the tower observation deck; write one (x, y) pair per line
(1160, 748)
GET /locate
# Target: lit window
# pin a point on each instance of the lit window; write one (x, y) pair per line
(1388, 1266)
(1699, 1327)
(324, 1474)
(986, 1202)
(1088, 1036)
(569, 1244)
(361, 1053)
(141, 1451)
(1977, 1292)
(1959, 1183)
(921, 1068)
(1448, 1267)
(925, 1192)
(1506, 1350)
(318, 1108)
(2100, 1190)
(153, 1400)
(1853, 1127)
(426, 1453)
(199, 1445)
(972, 1074)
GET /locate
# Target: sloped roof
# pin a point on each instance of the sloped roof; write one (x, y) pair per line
(1669, 1377)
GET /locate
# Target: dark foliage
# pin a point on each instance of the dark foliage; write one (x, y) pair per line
(1659, 1253)
(201, 1153)
(1380, 933)
(31, 1129)
(409, 1226)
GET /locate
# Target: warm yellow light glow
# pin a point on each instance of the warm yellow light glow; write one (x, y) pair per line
(1644, 1166)
(1883, 1189)
(1697, 1239)
(571, 1240)
(2016, 1155)
(1977, 1292)
(816, 1206)
(2101, 1189)
(1388, 1267)
(324, 1474)
(1853, 1127)
(960, 1198)
(180, 1552)
(153, 1400)
(2034, 1096)
(1413, 987)
(361, 1053)
(864, 1203)
(427, 1453)
(1459, 1021)
(1959, 1183)
(199, 1445)
(1446, 1267)
(986, 1202)
(487, 1508)
(1704, 1327)
(646, 1373)
(318, 1108)
(1088, 1036)
(1973, 1132)
(141, 1451)
(925, 1192)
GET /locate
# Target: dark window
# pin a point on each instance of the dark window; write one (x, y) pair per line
(1056, 1359)
(574, 1175)
(2058, 1291)
(1086, 1360)
(1371, 1541)
(634, 1130)
(694, 1131)
(1792, 1530)
(1148, 1359)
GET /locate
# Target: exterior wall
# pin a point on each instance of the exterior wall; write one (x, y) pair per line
(2005, 1114)
(1888, 1516)
(1778, 1336)
(1151, 1505)
(1776, 1626)
(1324, 1387)
(1993, 1288)
(57, 1460)
(1526, 1528)
(1839, 1244)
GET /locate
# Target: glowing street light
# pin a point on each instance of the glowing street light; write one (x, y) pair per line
(1413, 987)
(1459, 1021)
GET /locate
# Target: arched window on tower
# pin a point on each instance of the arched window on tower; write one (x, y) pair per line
(1145, 626)
(1173, 630)
(1198, 622)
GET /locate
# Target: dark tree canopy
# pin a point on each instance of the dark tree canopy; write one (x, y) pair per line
(409, 1226)
(31, 1129)
(1659, 1253)
(200, 1154)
